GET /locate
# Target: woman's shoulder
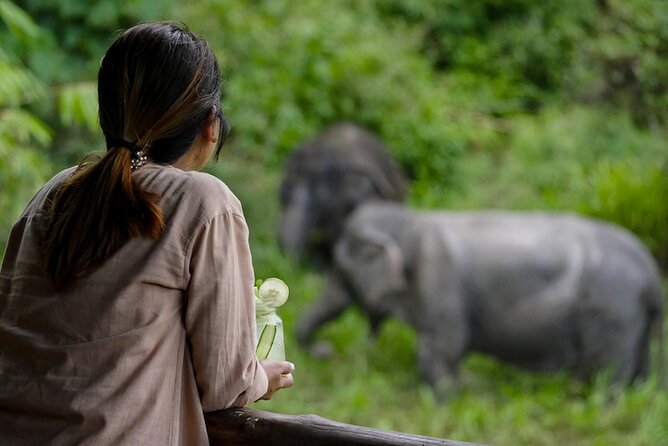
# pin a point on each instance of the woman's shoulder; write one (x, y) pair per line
(204, 183)
(48, 189)
(202, 193)
(211, 191)
(58, 179)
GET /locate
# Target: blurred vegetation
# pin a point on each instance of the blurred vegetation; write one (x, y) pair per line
(496, 103)
(375, 381)
(528, 54)
(23, 167)
(293, 67)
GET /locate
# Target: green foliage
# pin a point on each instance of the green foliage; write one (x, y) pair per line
(77, 104)
(19, 84)
(22, 167)
(291, 68)
(624, 60)
(545, 160)
(634, 196)
(521, 47)
(73, 51)
(529, 53)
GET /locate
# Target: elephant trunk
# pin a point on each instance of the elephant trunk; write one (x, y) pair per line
(295, 223)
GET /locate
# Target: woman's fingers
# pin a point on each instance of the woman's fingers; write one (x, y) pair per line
(279, 374)
(287, 367)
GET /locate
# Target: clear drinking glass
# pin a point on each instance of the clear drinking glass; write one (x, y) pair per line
(271, 339)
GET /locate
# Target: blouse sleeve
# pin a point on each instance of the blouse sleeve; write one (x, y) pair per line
(220, 315)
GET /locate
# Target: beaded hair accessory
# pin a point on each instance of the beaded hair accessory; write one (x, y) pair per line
(139, 156)
(138, 159)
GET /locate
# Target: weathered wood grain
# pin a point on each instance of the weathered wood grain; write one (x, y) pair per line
(252, 427)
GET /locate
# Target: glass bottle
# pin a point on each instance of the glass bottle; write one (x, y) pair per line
(271, 340)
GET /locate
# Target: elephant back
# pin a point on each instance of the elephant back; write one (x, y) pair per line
(346, 147)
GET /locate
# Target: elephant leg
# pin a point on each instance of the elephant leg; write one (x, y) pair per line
(614, 345)
(439, 312)
(439, 355)
(334, 299)
(642, 361)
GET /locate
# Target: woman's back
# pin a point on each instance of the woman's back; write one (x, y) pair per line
(112, 358)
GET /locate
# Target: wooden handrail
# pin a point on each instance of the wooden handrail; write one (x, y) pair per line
(252, 427)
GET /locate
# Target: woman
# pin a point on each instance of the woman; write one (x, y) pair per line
(126, 302)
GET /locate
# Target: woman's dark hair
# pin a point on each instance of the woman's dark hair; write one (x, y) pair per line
(158, 85)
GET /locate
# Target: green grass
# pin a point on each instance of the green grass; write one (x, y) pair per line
(375, 382)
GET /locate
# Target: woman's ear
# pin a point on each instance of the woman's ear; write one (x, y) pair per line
(212, 127)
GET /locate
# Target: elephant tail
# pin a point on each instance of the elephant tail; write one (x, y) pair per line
(662, 354)
(661, 351)
(656, 322)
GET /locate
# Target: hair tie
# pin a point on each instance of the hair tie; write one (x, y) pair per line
(131, 146)
(139, 157)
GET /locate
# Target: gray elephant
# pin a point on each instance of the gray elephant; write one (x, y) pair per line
(324, 180)
(542, 291)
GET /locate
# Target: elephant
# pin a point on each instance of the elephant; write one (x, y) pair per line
(543, 291)
(324, 179)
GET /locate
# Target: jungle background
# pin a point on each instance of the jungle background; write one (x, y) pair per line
(516, 104)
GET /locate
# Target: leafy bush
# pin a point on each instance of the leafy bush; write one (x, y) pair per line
(22, 167)
(529, 53)
(292, 68)
(522, 47)
(80, 31)
(624, 60)
(546, 160)
(634, 196)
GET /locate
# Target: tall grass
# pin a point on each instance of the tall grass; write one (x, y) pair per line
(375, 382)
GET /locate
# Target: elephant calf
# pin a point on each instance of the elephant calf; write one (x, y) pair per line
(543, 291)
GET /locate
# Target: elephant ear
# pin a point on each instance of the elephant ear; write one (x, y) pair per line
(371, 157)
(372, 261)
(356, 187)
(387, 177)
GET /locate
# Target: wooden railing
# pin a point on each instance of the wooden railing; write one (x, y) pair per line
(252, 427)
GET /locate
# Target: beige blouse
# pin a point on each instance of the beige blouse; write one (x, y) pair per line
(136, 352)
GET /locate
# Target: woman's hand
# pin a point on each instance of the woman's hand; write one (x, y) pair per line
(279, 374)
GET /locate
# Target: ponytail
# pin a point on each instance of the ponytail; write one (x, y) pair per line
(94, 213)
(157, 85)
